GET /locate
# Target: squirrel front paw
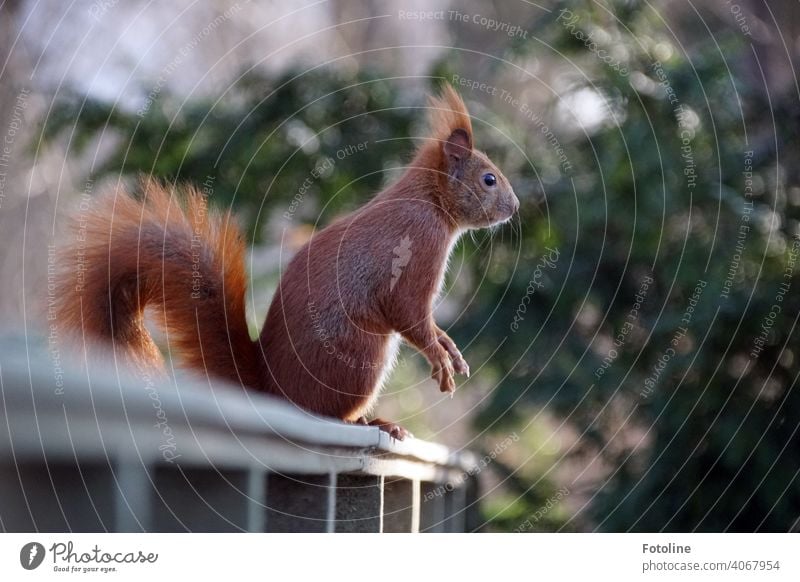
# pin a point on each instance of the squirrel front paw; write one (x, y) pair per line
(442, 371)
(459, 364)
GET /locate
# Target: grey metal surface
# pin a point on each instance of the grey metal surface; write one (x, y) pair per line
(106, 450)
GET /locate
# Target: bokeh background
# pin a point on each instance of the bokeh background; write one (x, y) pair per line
(632, 334)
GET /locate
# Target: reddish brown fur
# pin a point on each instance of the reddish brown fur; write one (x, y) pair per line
(144, 253)
(326, 339)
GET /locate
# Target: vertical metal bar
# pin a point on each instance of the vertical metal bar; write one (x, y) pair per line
(132, 498)
(330, 523)
(415, 507)
(381, 484)
(256, 499)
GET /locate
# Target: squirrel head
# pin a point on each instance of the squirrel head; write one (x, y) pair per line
(472, 190)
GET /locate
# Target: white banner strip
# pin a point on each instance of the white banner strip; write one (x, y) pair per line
(617, 557)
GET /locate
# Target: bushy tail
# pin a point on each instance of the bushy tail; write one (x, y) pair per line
(163, 251)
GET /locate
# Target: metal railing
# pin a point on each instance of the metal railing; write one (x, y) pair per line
(102, 452)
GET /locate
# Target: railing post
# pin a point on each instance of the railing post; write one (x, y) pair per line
(256, 499)
(330, 517)
(133, 497)
(417, 498)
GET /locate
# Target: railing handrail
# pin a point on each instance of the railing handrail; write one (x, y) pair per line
(31, 391)
(202, 455)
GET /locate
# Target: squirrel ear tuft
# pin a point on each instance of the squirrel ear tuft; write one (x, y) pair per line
(458, 146)
(447, 114)
(457, 150)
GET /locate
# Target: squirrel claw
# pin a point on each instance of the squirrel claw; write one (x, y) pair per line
(461, 366)
(443, 374)
(459, 363)
(395, 430)
(447, 384)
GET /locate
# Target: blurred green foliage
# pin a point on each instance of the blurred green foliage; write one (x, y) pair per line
(712, 444)
(259, 143)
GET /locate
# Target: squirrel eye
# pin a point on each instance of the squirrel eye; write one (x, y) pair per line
(489, 179)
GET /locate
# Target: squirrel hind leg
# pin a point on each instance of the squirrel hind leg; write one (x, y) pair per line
(395, 430)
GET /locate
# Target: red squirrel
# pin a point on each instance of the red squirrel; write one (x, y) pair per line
(330, 334)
